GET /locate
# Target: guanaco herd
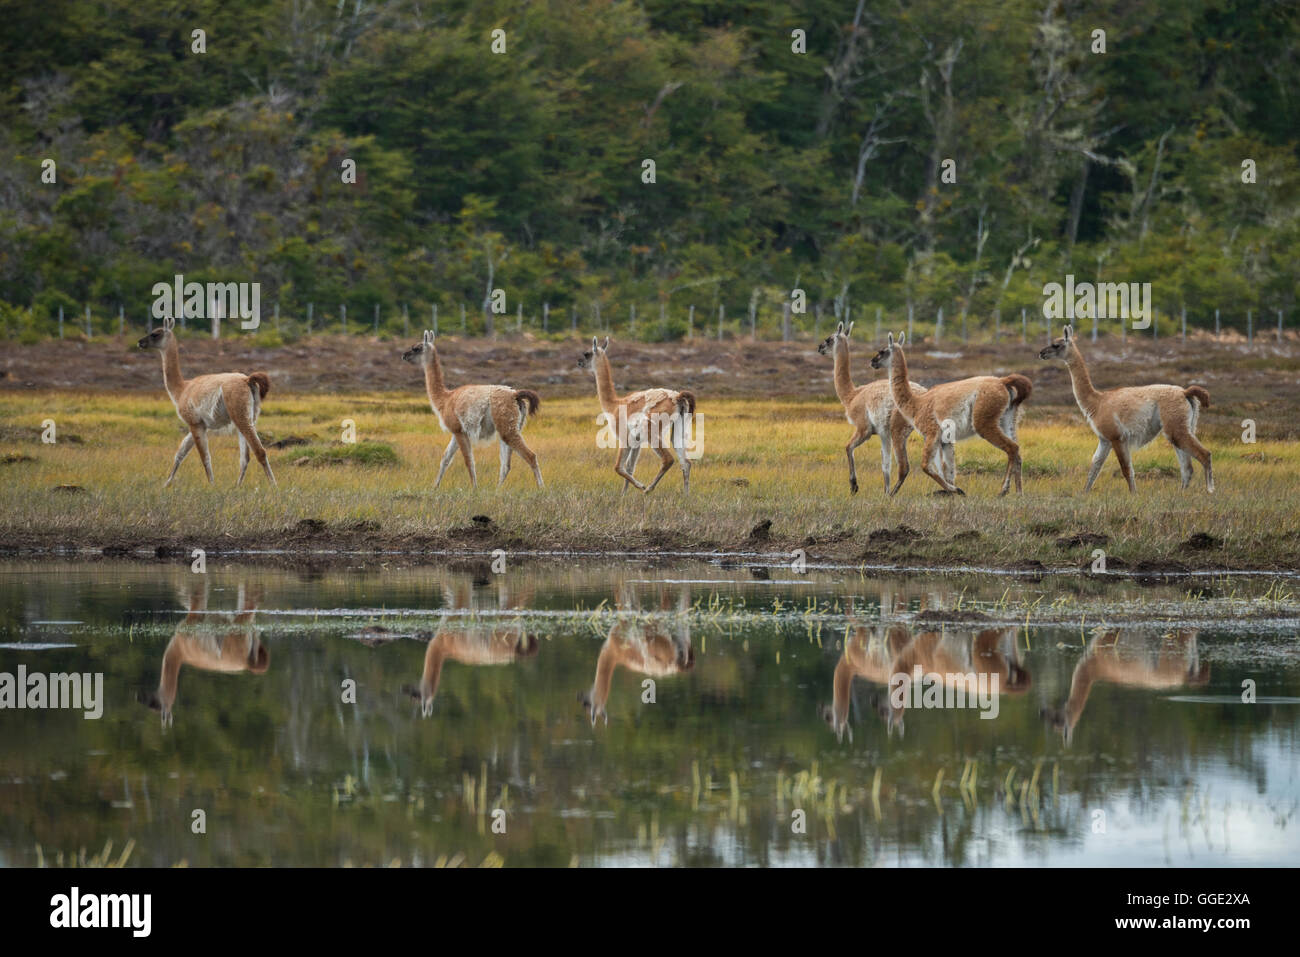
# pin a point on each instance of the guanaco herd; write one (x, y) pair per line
(1123, 419)
(659, 646)
(880, 655)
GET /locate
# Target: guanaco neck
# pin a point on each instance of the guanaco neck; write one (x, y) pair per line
(899, 384)
(605, 384)
(1085, 673)
(609, 658)
(171, 363)
(841, 690)
(433, 383)
(843, 379)
(1084, 393)
(173, 658)
(434, 656)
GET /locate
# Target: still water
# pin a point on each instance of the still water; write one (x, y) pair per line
(662, 714)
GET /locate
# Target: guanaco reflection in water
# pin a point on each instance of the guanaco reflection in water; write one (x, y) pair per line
(657, 646)
(210, 642)
(489, 642)
(988, 660)
(1132, 659)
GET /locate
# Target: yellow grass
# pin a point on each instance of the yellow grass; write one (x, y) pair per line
(782, 461)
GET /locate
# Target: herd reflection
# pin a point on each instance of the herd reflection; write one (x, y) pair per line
(648, 712)
(651, 636)
(891, 656)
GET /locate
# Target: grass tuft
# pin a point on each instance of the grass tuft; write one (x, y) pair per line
(372, 454)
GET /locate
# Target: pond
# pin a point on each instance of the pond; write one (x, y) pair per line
(597, 712)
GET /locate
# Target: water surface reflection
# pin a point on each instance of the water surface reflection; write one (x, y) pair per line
(702, 730)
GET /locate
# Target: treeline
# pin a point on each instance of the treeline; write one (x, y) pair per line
(610, 159)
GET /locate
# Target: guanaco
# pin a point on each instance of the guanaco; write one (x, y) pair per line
(987, 406)
(991, 652)
(869, 654)
(224, 643)
(647, 645)
(869, 409)
(211, 403)
(1127, 418)
(1131, 659)
(476, 413)
(660, 417)
(475, 644)
(470, 646)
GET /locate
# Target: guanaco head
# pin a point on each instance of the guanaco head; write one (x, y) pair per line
(1060, 348)
(833, 341)
(838, 724)
(158, 338)
(882, 358)
(1058, 720)
(588, 359)
(886, 712)
(152, 701)
(422, 352)
(593, 710)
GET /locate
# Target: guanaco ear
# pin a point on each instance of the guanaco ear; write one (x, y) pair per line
(891, 337)
(902, 336)
(594, 344)
(849, 331)
(169, 323)
(428, 337)
(1069, 333)
(607, 343)
(840, 327)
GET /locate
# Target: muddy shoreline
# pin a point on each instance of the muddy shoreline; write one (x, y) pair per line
(473, 547)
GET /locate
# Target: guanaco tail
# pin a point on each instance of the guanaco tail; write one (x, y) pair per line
(658, 417)
(987, 406)
(476, 413)
(211, 403)
(1127, 418)
(870, 410)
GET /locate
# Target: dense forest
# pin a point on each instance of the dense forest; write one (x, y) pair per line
(950, 155)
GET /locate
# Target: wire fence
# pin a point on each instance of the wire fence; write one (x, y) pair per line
(659, 322)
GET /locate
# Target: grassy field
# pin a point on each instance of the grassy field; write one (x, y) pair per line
(100, 487)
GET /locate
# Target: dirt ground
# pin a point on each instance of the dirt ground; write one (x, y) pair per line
(1261, 382)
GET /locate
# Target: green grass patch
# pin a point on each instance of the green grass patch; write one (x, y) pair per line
(371, 453)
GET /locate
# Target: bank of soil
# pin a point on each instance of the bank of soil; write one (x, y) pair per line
(310, 543)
